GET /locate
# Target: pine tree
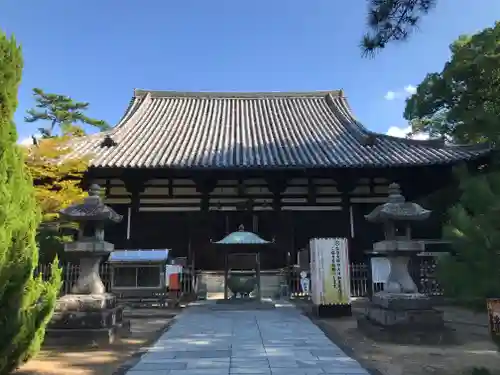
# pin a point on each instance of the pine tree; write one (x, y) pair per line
(63, 113)
(471, 274)
(392, 21)
(26, 301)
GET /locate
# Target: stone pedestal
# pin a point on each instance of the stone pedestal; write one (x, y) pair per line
(405, 318)
(87, 318)
(88, 314)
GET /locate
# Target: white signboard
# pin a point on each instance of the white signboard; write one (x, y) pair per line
(381, 268)
(330, 276)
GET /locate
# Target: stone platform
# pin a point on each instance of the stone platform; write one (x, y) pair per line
(87, 318)
(404, 318)
(280, 341)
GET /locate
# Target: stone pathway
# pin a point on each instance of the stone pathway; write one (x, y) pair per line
(279, 341)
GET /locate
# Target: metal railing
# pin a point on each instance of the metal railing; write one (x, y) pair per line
(423, 273)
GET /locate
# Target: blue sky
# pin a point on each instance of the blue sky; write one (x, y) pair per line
(99, 51)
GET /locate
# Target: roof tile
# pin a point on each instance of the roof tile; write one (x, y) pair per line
(163, 129)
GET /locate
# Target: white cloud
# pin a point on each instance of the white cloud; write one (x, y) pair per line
(402, 132)
(410, 89)
(400, 94)
(390, 95)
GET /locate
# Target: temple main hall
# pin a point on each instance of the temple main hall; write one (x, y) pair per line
(187, 168)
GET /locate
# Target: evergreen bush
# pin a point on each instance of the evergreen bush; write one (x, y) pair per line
(26, 301)
(471, 274)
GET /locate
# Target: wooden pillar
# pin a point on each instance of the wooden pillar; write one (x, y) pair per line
(257, 275)
(205, 184)
(135, 185)
(277, 183)
(346, 184)
(202, 250)
(226, 274)
(133, 214)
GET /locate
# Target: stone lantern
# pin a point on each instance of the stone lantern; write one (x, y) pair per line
(400, 308)
(88, 313)
(396, 216)
(91, 215)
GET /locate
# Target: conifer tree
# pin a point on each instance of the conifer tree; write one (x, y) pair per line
(26, 301)
(62, 113)
(392, 21)
(471, 273)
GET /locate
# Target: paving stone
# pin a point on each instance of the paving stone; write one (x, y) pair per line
(332, 352)
(204, 354)
(282, 364)
(279, 342)
(142, 366)
(221, 366)
(296, 371)
(345, 370)
(250, 364)
(197, 372)
(254, 370)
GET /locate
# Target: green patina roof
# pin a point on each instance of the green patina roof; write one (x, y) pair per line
(241, 237)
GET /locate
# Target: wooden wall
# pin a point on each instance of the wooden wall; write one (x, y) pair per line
(175, 213)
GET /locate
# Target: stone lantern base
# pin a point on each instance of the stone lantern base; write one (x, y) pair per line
(88, 314)
(87, 318)
(404, 318)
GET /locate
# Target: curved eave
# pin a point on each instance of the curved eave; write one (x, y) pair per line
(242, 238)
(315, 130)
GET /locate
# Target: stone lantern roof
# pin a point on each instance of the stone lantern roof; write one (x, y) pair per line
(397, 209)
(91, 209)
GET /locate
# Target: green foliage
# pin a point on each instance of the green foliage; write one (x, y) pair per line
(471, 274)
(26, 302)
(61, 112)
(392, 20)
(57, 185)
(462, 102)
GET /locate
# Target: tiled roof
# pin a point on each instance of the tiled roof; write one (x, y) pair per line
(163, 129)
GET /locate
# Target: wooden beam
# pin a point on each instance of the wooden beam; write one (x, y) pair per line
(170, 187)
(277, 185)
(311, 191)
(107, 188)
(205, 183)
(255, 198)
(346, 182)
(134, 182)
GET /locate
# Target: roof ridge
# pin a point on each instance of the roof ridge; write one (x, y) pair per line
(236, 94)
(276, 130)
